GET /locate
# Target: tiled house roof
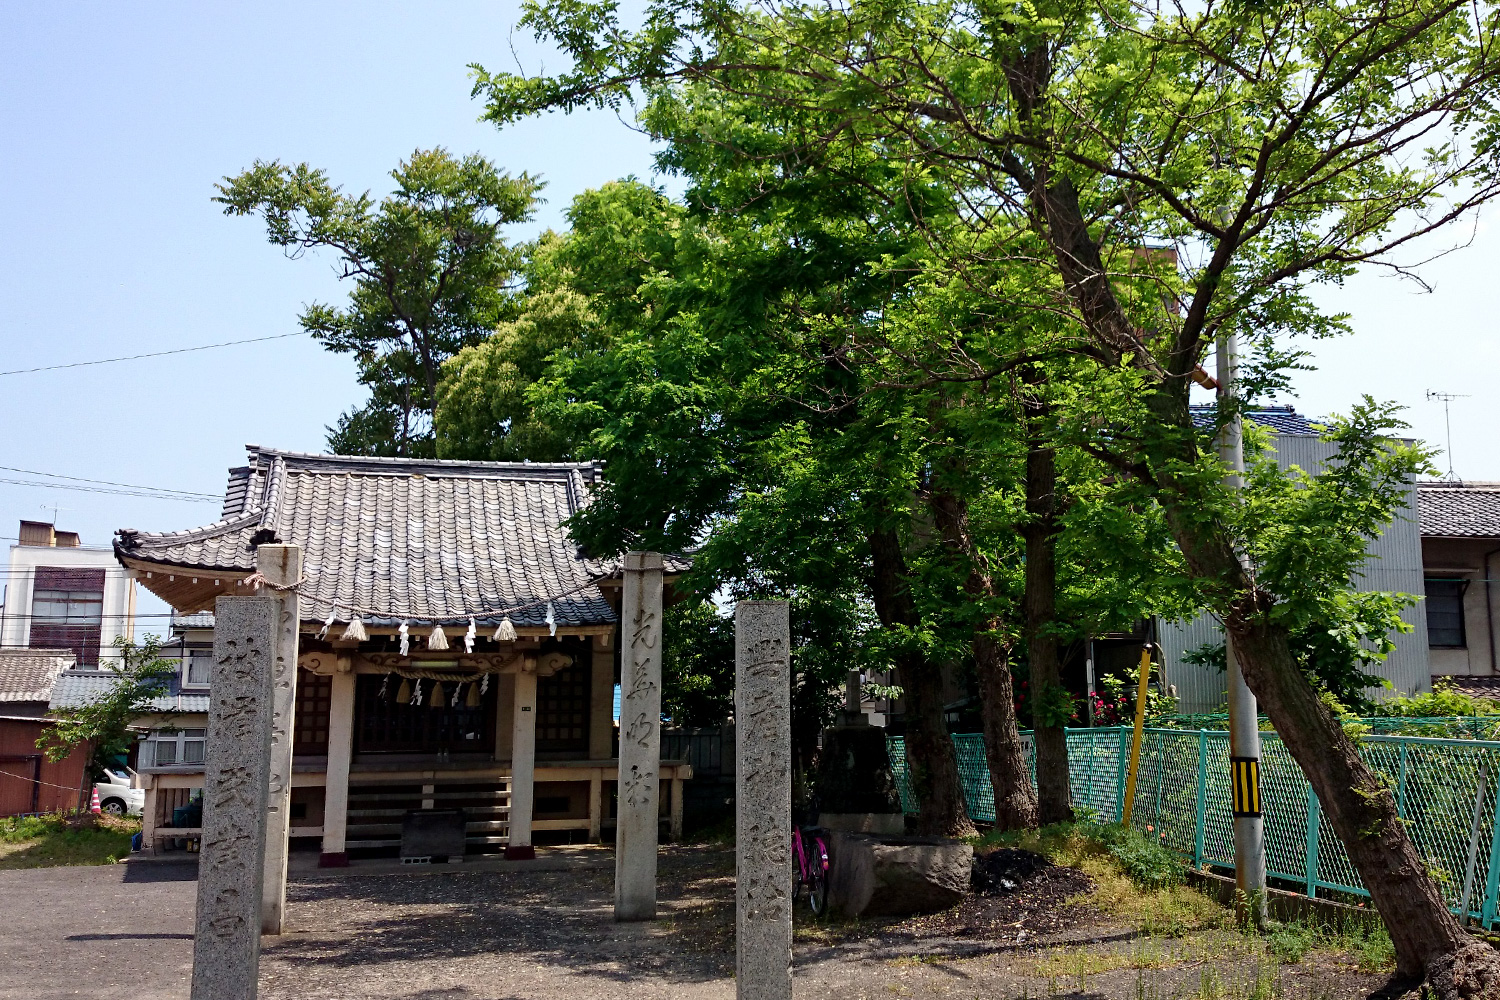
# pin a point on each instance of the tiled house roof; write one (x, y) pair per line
(29, 674)
(1459, 510)
(77, 687)
(1281, 419)
(397, 539)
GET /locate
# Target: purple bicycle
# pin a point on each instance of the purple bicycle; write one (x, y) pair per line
(810, 868)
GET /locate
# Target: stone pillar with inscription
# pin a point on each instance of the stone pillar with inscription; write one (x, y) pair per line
(237, 772)
(281, 568)
(640, 737)
(763, 800)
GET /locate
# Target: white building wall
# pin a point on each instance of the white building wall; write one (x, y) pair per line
(118, 607)
(1395, 564)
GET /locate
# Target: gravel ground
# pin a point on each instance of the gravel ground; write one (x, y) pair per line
(544, 931)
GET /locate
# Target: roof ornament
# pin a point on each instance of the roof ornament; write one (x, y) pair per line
(469, 637)
(551, 620)
(405, 631)
(356, 630)
(437, 638)
(323, 632)
(506, 632)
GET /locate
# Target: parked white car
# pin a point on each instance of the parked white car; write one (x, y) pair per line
(117, 798)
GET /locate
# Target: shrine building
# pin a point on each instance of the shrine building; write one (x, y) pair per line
(457, 650)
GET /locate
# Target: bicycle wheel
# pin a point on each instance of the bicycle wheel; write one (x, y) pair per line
(817, 891)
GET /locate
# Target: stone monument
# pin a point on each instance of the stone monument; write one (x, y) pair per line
(763, 800)
(640, 737)
(280, 566)
(226, 939)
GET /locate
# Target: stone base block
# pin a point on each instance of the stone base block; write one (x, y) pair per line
(334, 859)
(878, 824)
(897, 876)
(523, 852)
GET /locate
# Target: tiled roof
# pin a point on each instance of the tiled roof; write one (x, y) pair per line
(1459, 510)
(77, 687)
(28, 674)
(1281, 419)
(203, 619)
(399, 539)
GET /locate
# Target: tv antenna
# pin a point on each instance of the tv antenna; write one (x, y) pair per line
(1446, 398)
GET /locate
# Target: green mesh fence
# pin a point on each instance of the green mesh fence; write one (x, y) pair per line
(1460, 727)
(1446, 791)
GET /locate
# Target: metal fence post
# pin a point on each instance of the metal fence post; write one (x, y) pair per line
(1314, 830)
(1492, 883)
(1120, 775)
(1401, 783)
(1202, 821)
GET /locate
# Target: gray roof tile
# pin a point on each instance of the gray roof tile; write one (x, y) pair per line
(28, 674)
(75, 688)
(1459, 510)
(405, 538)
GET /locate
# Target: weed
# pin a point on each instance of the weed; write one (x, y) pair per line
(1370, 947)
(1134, 880)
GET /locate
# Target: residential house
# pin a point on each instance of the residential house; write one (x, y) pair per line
(30, 783)
(1460, 545)
(451, 635)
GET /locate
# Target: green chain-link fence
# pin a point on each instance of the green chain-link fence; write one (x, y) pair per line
(1446, 791)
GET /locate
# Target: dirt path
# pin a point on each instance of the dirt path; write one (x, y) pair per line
(544, 932)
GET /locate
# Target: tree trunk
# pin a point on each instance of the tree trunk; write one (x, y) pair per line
(1048, 696)
(1357, 804)
(931, 760)
(1015, 798)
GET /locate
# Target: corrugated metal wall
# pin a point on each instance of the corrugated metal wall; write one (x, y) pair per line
(1395, 564)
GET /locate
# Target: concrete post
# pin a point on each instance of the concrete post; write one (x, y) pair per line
(231, 868)
(1244, 715)
(340, 757)
(280, 566)
(523, 764)
(640, 737)
(763, 800)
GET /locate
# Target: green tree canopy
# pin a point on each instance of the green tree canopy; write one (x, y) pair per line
(430, 268)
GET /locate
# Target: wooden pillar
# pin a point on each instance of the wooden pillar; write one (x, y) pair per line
(523, 764)
(640, 738)
(676, 827)
(340, 757)
(281, 567)
(596, 807)
(148, 816)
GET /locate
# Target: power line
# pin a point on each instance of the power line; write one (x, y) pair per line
(153, 354)
(105, 482)
(113, 492)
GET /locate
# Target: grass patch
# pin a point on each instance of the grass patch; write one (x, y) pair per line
(1135, 880)
(1369, 947)
(48, 842)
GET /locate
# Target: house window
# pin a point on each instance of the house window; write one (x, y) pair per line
(197, 668)
(67, 609)
(174, 747)
(1445, 613)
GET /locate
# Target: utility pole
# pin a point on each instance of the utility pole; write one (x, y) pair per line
(1244, 717)
(1446, 398)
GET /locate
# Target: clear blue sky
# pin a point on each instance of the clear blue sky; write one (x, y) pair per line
(118, 120)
